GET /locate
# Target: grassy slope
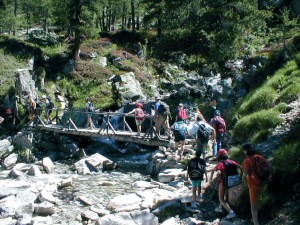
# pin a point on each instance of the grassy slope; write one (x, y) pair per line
(8, 65)
(258, 114)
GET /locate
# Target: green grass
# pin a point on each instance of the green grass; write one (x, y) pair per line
(8, 65)
(248, 127)
(263, 98)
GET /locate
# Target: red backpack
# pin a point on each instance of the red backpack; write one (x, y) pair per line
(182, 114)
(220, 124)
(139, 114)
(261, 168)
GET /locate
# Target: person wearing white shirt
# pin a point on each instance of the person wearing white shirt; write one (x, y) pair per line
(201, 143)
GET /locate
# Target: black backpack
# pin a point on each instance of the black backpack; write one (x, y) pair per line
(196, 169)
(203, 133)
(91, 107)
(232, 177)
(163, 109)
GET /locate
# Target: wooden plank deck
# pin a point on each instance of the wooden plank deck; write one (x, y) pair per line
(126, 136)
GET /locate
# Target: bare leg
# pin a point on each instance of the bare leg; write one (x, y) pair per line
(221, 197)
(199, 191)
(254, 213)
(194, 194)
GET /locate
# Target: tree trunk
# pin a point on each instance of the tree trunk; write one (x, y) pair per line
(133, 15)
(138, 23)
(15, 14)
(124, 16)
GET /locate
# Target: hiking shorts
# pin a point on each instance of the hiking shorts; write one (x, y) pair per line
(196, 183)
(179, 138)
(139, 122)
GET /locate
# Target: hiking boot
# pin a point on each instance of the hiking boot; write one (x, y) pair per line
(218, 209)
(230, 215)
(194, 205)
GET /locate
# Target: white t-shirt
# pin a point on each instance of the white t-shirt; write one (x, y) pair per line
(195, 127)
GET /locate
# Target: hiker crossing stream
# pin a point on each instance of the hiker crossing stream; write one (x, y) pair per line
(71, 122)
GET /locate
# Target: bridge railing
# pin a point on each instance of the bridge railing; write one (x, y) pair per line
(112, 122)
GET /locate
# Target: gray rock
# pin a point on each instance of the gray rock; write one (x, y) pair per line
(10, 161)
(16, 173)
(4, 144)
(34, 171)
(125, 218)
(89, 215)
(48, 165)
(44, 209)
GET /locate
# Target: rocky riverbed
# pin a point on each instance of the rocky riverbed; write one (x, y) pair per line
(92, 191)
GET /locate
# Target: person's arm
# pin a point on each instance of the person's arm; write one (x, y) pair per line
(211, 175)
(241, 170)
(1, 119)
(132, 111)
(205, 172)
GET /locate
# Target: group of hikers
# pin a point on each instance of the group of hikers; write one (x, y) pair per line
(209, 135)
(36, 108)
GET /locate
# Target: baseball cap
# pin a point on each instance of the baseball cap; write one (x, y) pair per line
(138, 104)
(44, 96)
(180, 104)
(222, 152)
(217, 113)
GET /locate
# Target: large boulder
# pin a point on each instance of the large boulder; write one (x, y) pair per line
(25, 85)
(127, 87)
(4, 147)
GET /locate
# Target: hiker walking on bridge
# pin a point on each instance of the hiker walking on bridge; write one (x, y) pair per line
(89, 108)
(161, 118)
(139, 116)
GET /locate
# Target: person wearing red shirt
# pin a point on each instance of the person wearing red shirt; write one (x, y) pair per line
(220, 168)
(255, 186)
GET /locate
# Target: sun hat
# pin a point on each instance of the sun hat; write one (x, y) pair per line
(222, 152)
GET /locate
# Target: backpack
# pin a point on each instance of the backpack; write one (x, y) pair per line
(220, 124)
(50, 105)
(163, 109)
(178, 129)
(91, 107)
(232, 177)
(196, 169)
(139, 114)
(182, 114)
(261, 169)
(202, 132)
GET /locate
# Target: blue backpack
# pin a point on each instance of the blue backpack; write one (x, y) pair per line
(178, 129)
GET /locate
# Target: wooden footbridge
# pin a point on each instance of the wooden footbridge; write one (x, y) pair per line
(74, 122)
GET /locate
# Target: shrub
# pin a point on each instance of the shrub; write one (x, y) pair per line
(262, 98)
(286, 181)
(248, 126)
(290, 94)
